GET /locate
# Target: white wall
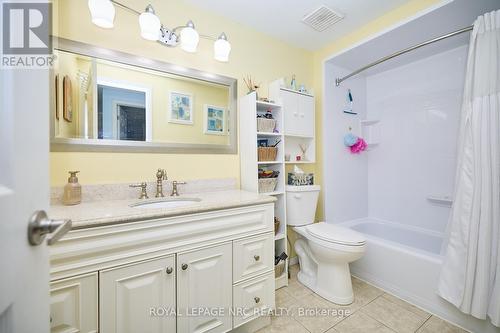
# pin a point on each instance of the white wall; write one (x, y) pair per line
(419, 107)
(345, 174)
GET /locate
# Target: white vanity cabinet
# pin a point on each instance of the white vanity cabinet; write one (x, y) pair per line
(163, 275)
(298, 110)
(73, 304)
(131, 297)
(204, 282)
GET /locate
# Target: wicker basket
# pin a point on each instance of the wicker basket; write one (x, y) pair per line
(267, 185)
(279, 269)
(266, 125)
(267, 153)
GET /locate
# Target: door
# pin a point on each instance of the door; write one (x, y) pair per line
(291, 111)
(306, 116)
(204, 283)
(138, 297)
(24, 188)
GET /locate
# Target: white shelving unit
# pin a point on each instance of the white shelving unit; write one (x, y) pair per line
(249, 108)
(294, 114)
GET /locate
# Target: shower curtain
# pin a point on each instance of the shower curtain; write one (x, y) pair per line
(470, 277)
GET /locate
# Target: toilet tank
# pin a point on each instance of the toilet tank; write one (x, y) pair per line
(301, 202)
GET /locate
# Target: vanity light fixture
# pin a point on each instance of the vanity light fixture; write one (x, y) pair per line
(150, 24)
(189, 38)
(222, 48)
(103, 14)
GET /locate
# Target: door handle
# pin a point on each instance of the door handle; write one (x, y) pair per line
(40, 225)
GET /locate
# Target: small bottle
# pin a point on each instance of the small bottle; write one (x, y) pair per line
(72, 190)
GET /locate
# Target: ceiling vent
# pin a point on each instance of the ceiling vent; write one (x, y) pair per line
(322, 18)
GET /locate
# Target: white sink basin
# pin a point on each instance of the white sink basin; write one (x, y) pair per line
(165, 203)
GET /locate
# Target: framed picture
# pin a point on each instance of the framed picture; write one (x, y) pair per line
(67, 99)
(56, 97)
(215, 120)
(181, 108)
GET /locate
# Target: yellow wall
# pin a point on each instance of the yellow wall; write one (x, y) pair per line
(254, 53)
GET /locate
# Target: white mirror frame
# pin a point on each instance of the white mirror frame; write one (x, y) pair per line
(101, 145)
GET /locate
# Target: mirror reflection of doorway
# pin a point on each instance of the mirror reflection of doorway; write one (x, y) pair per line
(123, 111)
(131, 122)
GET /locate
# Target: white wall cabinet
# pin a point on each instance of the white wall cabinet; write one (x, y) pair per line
(298, 111)
(162, 268)
(73, 304)
(204, 282)
(128, 296)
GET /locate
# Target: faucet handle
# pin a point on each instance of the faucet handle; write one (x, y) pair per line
(144, 189)
(175, 192)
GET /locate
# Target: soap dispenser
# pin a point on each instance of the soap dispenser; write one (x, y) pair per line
(72, 190)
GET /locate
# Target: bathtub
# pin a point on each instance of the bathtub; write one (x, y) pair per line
(406, 262)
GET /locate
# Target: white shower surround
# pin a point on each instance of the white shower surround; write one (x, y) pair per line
(418, 107)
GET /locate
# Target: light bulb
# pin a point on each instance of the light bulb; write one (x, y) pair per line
(102, 12)
(189, 38)
(222, 48)
(150, 24)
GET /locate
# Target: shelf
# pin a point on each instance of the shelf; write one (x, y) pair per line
(268, 134)
(300, 162)
(269, 162)
(369, 122)
(296, 91)
(268, 105)
(441, 200)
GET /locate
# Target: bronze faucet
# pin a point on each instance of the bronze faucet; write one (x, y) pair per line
(161, 175)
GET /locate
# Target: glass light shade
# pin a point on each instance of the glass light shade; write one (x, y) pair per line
(222, 48)
(102, 12)
(150, 26)
(189, 39)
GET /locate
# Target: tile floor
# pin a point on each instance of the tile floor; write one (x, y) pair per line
(372, 311)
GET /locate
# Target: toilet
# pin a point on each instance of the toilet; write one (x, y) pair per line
(324, 250)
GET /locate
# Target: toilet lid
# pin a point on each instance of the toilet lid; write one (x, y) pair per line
(335, 234)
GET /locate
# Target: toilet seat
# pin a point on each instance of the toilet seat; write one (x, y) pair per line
(335, 234)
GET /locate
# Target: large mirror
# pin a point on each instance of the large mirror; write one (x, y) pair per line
(105, 100)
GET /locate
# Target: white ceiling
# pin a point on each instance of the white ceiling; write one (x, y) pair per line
(282, 18)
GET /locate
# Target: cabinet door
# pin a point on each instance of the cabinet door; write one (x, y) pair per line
(252, 256)
(253, 298)
(290, 111)
(73, 304)
(306, 116)
(138, 298)
(204, 283)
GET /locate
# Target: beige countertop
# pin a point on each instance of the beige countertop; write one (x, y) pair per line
(105, 212)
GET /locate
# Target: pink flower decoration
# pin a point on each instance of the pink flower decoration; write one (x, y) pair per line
(359, 146)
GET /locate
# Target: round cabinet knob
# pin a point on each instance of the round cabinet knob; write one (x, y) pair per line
(184, 267)
(256, 257)
(256, 299)
(169, 270)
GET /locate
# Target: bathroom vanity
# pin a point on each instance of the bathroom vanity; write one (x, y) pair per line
(203, 266)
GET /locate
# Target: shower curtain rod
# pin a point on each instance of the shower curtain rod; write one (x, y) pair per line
(338, 81)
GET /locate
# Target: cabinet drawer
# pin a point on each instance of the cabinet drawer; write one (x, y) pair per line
(73, 304)
(252, 256)
(253, 297)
